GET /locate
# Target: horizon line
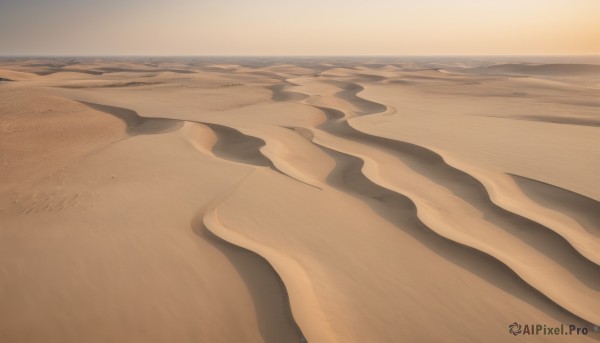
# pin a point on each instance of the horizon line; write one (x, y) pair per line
(308, 55)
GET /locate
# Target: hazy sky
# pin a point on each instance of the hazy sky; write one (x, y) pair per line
(308, 27)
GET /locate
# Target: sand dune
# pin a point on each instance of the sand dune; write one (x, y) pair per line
(539, 240)
(234, 145)
(562, 120)
(281, 94)
(582, 209)
(276, 322)
(294, 200)
(135, 123)
(433, 165)
(543, 69)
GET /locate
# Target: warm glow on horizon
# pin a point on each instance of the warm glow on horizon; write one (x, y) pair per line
(269, 27)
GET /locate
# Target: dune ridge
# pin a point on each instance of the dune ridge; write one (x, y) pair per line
(272, 331)
(483, 186)
(588, 285)
(584, 210)
(137, 124)
(431, 218)
(349, 177)
(302, 301)
(245, 146)
(231, 144)
(488, 189)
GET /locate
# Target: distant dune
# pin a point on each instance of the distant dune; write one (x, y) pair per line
(298, 200)
(542, 69)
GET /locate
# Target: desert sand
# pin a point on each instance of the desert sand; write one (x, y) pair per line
(298, 199)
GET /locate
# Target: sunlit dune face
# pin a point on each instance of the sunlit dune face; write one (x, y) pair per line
(269, 27)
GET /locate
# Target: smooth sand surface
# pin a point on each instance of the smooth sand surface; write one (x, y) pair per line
(298, 200)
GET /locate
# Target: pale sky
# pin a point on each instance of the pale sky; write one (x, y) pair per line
(308, 27)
